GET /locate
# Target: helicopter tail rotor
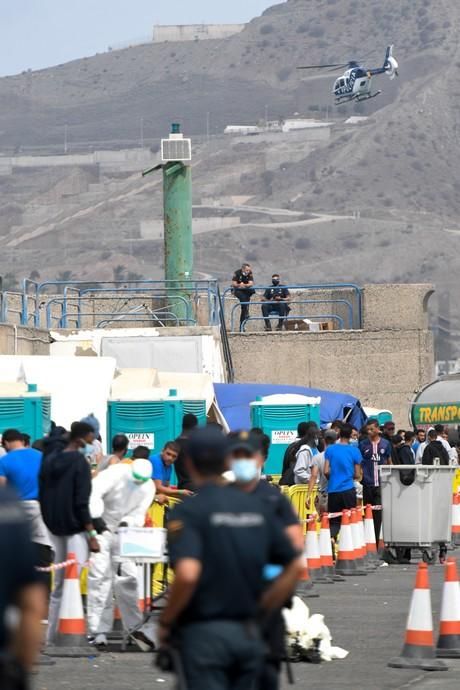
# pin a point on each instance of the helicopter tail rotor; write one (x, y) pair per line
(391, 64)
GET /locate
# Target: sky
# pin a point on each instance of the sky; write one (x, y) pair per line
(40, 33)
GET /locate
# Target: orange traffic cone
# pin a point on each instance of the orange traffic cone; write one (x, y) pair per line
(381, 544)
(325, 550)
(141, 588)
(449, 630)
(369, 534)
(456, 520)
(305, 585)
(117, 622)
(418, 650)
(357, 545)
(313, 554)
(71, 633)
(346, 563)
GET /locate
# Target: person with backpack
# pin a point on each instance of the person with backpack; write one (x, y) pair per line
(435, 453)
(290, 456)
(305, 454)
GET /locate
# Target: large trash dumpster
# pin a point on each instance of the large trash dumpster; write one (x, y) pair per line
(417, 504)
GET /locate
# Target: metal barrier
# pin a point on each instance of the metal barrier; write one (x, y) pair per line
(192, 289)
(304, 301)
(356, 320)
(328, 317)
(75, 317)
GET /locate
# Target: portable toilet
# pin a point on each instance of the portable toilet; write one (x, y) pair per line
(144, 419)
(25, 408)
(381, 416)
(278, 416)
(196, 407)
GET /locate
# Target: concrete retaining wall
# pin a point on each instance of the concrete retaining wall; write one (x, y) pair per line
(19, 340)
(383, 364)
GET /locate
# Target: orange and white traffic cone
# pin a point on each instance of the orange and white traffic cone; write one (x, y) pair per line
(357, 546)
(313, 554)
(369, 535)
(449, 629)
(71, 638)
(381, 544)
(346, 563)
(418, 650)
(369, 563)
(456, 520)
(325, 550)
(305, 585)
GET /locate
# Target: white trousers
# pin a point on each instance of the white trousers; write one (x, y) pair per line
(62, 546)
(109, 576)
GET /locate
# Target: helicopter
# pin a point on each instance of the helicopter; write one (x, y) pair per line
(355, 84)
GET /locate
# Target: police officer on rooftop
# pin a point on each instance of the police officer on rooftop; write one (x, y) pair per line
(243, 289)
(219, 543)
(276, 300)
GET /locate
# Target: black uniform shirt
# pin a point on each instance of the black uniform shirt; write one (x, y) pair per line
(240, 277)
(233, 535)
(16, 556)
(278, 504)
(276, 291)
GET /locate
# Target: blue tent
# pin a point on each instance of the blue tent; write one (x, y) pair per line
(234, 399)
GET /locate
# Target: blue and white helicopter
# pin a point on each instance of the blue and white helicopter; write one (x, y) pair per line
(355, 84)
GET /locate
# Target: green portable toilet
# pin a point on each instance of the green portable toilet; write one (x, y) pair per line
(381, 416)
(278, 416)
(25, 408)
(146, 421)
(196, 407)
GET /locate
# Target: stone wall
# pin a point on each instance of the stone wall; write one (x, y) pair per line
(383, 364)
(21, 340)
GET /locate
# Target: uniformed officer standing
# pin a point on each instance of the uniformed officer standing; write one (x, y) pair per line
(276, 299)
(242, 284)
(20, 586)
(246, 460)
(219, 542)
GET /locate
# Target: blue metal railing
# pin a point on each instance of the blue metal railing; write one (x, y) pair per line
(81, 290)
(345, 302)
(357, 311)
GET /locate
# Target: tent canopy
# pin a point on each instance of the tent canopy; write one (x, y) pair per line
(233, 400)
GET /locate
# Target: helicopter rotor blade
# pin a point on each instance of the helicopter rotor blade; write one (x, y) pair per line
(324, 66)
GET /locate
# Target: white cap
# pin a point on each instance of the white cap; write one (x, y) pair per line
(142, 470)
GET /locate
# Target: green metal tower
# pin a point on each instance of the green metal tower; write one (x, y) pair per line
(177, 205)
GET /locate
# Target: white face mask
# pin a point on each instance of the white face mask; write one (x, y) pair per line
(245, 470)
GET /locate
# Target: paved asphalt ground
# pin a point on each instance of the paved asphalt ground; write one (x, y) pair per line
(366, 615)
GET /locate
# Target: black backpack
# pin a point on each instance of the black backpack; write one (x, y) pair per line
(289, 461)
(435, 449)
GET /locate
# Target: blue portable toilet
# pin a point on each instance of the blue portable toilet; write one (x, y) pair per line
(278, 416)
(25, 408)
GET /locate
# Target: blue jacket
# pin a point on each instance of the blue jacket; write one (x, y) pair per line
(372, 460)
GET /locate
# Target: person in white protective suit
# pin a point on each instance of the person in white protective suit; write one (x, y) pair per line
(121, 496)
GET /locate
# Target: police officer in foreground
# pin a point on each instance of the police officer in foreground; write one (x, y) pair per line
(246, 459)
(220, 542)
(21, 587)
(243, 289)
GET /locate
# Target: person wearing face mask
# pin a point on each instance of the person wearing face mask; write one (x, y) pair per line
(245, 460)
(277, 299)
(121, 496)
(243, 289)
(64, 490)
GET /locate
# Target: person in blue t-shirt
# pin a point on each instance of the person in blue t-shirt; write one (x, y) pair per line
(342, 466)
(20, 466)
(162, 470)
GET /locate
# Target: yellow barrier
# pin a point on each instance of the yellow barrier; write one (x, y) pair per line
(156, 513)
(457, 482)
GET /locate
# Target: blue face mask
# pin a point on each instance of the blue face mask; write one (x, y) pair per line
(245, 470)
(354, 442)
(88, 450)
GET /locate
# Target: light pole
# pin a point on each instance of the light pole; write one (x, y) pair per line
(142, 132)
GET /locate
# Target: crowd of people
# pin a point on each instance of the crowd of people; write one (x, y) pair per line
(342, 463)
(235, 548)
